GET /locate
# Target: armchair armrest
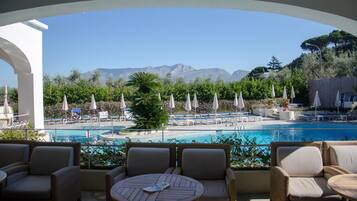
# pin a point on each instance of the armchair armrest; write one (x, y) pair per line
(65, 184)
(177, 171)
(169, 170)
(12, 165)
(231, 184)
(279, 184)
(112, 177)
(15, 172)
(15, 168)
(333, 170)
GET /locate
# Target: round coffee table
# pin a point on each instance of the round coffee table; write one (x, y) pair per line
(344, 185)
(181, 188)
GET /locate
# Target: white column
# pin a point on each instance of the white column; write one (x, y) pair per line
(30, 100)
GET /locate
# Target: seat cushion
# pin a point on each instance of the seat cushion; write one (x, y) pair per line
(146, 160)
(29, 188)
(12, 153)
(200, 163)
(304, 188)
(215, 190)
(290, 159)
(47, 159)
(344, 156)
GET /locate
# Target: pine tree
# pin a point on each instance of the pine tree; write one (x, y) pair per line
(274, 64)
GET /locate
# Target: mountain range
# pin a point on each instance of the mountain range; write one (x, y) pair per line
(188, 73)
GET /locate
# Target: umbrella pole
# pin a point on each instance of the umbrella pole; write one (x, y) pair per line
(316, 112)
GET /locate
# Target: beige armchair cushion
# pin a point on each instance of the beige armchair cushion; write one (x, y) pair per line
(146, 160)
(300, 161)
(344, 156)
(310, 188)
(47, 159)
(215, 190)
(201, 163)
(11, 153)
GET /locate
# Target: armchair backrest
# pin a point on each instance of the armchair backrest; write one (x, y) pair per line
(204, 161)
(12, 153)
(74, 145)
(341, 153)
(47, 159)
(146, 158)
(298, 159)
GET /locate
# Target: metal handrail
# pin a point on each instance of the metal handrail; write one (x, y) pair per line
(175, 129)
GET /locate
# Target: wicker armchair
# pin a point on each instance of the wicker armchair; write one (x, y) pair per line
(52, 174)
(143, 158)
(297, 172)
(209, 164)
(341, 155)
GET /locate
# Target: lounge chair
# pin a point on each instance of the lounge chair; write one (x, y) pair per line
(297, 173)
(209, 164)
(103, 116)
(143, 158)
(52, 174)
(341, 155)
(76, 113)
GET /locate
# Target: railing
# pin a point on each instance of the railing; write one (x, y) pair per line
(104, 147)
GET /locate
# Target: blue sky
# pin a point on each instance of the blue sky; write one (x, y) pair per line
(203, 38)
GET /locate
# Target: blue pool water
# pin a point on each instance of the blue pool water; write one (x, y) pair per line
(282, 132)
(84, 134)
(263, 134)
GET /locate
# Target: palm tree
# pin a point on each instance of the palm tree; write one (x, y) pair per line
(147, 109)
(144, 82)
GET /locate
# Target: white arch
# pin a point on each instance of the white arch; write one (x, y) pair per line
(341, 14)
(10, 53)
(21, 47)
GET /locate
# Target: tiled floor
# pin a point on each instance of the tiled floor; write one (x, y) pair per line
(100, 196)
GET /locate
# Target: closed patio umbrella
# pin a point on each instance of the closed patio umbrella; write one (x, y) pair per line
(188, 103)
(235, 101)
(6, 104)
(272, 91)
(285, 94)
(65, 104)
(171, 103)
(317, 102)
(240, 102)
(195, 102)
(122, 105)
(292, 95)
(122, 102)
(93, 104)
(338, 101)
(215, 103)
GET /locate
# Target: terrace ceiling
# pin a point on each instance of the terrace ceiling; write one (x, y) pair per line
(338, 13)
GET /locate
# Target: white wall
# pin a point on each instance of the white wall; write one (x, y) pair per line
(21, 46)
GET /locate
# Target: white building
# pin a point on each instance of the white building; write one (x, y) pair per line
(21, 47)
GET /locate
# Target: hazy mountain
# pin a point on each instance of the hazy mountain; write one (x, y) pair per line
(188, 73)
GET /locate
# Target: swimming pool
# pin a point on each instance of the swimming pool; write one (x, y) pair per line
(83, 134)
(264, 134)
(280, 132)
